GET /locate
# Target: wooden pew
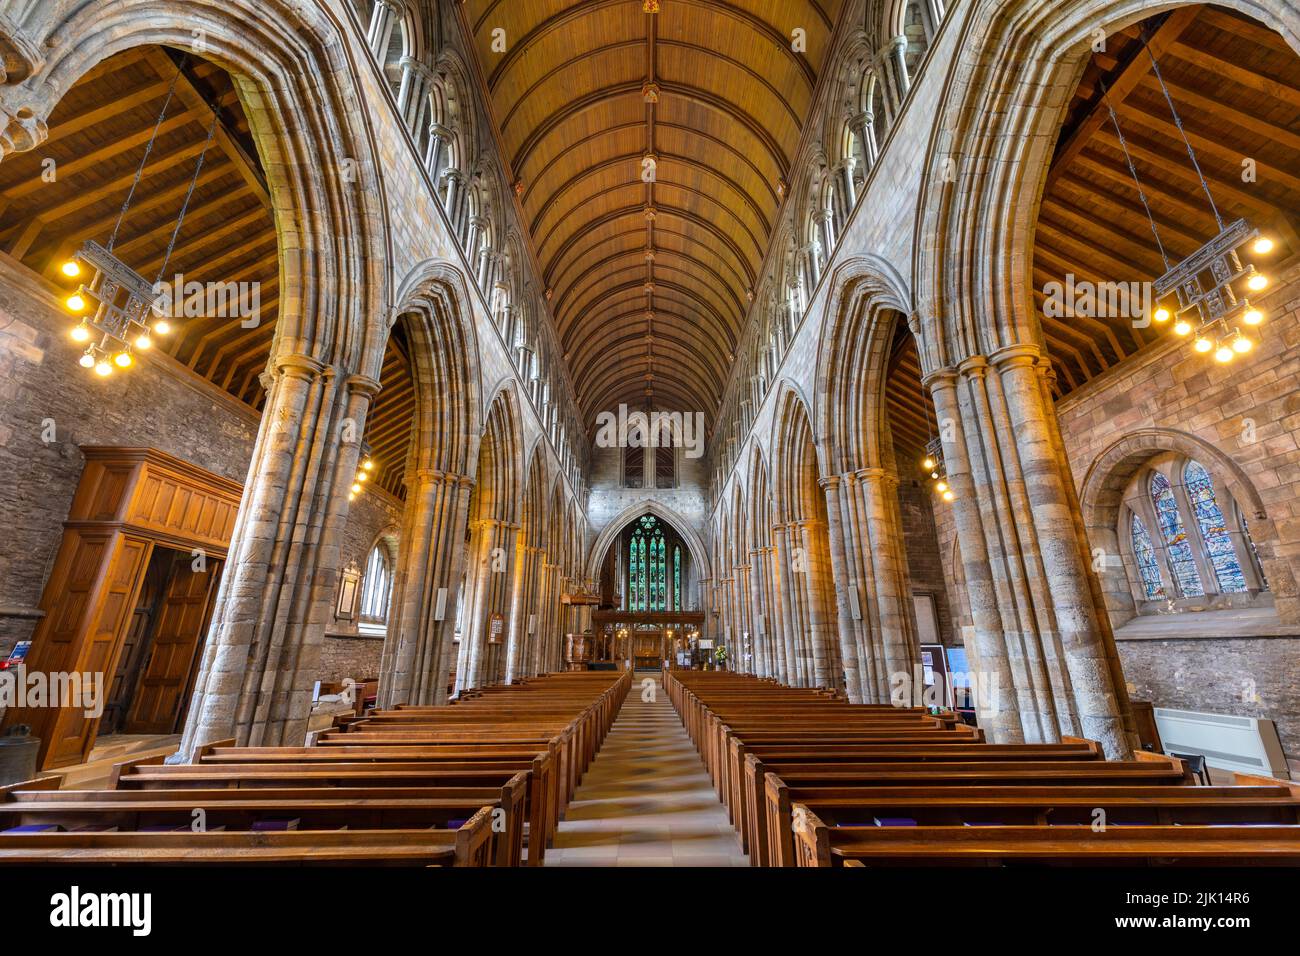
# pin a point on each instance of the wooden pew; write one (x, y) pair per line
(982, 806)
(470, 845)
(819, 845)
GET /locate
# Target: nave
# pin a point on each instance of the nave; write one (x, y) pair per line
(646, 800)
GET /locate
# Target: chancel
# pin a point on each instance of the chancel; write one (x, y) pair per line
(800, 433)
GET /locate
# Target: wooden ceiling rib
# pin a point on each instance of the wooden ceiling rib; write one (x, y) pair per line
(568, 94)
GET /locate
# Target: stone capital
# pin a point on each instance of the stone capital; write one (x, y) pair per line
(361, 384)
(1020, 354)
(940, 378)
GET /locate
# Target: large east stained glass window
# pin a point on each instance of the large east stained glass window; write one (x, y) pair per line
(1214, 531)
(1179, 549)
(648, 567)
(1145, 553)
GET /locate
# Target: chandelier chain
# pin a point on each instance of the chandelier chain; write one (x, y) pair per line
(1179, 123)
(126, 205)
(1123, 145)
(185, 206)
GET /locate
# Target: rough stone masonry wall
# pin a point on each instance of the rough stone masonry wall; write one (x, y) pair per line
(347, 653)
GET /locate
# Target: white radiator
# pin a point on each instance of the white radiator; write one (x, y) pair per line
(1247, 744)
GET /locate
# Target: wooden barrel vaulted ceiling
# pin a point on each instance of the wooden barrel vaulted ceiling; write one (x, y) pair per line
(649, 281)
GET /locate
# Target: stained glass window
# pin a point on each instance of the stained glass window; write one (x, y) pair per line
(1214, 530)
(647, 567)
(1179, 549)
(1146, 561)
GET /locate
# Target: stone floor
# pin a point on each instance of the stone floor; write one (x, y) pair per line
(646, 800)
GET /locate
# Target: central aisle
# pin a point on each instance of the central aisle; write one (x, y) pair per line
(646, 800)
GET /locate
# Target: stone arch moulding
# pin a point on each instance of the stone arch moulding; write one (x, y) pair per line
(438, 299)
(292, 67)
(861, 285)
(696, 545)
(1103, 484)
(788, 391)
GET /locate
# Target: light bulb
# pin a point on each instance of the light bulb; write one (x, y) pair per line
(362, 476)
(1253, 317)
(122, 359)
(934, 474)
(80, 333)
(143, 342)
(356, 488)
(1256, 282)
(941, 486)
(103, 369)
(1223, 354)
(1263, 245)
(1203, 345)
(948, 495)
(71, 269)
(352, 496)
(76, 303)
(369, 464)
(1182, 327)
(928, 464)
(162, 327)
(1161, 315)
(1241, 344)
(87, 360)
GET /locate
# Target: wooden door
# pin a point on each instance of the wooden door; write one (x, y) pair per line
(181, 623)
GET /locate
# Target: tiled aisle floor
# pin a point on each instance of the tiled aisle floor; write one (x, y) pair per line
(646, 800)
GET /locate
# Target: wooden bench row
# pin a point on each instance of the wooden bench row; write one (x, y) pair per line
(811, 780)
(471, 784)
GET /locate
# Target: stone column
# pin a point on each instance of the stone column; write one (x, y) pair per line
(493, 560)
(521, 651)
(892, 582)
(439, 141)
(899, 59)
(1038, 617)
(262, 653)
(417, 651)
(383, 18)
(788, 616)
(850, 651)
(827, 668)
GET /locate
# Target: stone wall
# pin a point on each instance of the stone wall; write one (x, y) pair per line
(924, 563)
(1248, 677)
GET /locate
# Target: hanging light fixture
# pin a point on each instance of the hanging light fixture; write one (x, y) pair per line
(364, 472)
(119, 309)
(932, 464)
(1207, 292)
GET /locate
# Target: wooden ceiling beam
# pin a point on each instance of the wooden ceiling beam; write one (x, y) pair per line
(1137, 67)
